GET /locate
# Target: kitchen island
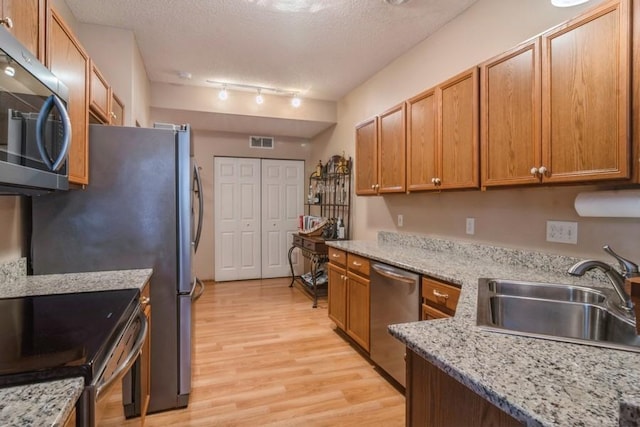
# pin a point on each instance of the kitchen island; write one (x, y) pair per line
(51, 403)
(538, 382)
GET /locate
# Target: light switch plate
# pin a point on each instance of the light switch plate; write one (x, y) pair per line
(471, 226)
(400, 220)
(562, 232)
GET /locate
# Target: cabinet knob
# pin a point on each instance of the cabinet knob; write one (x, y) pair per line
(440, 295)
(534, 171)
(542, 170)
(7, 22)
(436, 181)
(373, 186)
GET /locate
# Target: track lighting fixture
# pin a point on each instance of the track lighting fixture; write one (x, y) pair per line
(223, 94)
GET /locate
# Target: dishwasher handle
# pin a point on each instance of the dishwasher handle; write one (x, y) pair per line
(393, 275)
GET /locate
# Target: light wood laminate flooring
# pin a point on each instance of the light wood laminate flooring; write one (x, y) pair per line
(264, 357)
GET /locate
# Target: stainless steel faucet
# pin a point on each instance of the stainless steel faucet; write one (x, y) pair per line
(629, 269)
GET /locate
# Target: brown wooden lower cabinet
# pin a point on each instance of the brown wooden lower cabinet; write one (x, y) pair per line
(434, 399)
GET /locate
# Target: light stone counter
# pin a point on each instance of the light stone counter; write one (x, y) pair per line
(38, 405)
(539, 382)
(74, 282)
(51, 403)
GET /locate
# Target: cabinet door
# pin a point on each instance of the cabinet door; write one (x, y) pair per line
(585, 96)
(367, 158)
(458, 131)
(337, 295)
(435, 399)
(117, 111)
(421, 141)
(99, 95)
(392, 137)
(510, 116)
(27, 18)
(358, 309)
(70, 63)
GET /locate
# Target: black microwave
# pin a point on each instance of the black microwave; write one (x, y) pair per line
(35, 130)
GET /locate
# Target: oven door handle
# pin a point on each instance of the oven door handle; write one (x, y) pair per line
(129, 360)
(393, 276)
(53, 101)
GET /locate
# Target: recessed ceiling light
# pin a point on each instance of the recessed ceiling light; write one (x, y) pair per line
(395, 2)
(567, 3)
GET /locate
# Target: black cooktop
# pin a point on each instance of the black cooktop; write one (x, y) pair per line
(59, 336)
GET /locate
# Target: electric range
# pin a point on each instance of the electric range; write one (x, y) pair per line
(49, 337)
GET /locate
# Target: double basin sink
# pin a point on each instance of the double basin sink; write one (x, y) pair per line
(567, 313)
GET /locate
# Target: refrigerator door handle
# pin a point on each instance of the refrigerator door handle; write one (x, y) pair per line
(195, 296)
(198, 191)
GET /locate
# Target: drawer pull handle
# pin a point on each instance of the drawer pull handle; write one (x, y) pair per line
(357, 264)
(335, 255)
(440, 294)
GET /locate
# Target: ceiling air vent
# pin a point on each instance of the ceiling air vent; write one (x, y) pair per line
(261, 142)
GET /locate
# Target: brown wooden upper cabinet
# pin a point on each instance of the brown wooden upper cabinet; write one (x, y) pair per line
(117, 111)
(366, 160)
(70, 63)
(443, 135)
(99, 97)
(25, 20)
(392, 137)
(558, 108)
(511, 109)
(381, 153)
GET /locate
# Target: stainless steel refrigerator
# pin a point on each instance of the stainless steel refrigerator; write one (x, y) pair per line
(139, 211)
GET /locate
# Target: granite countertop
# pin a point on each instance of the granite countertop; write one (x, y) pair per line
(51, 403)
(539, 382)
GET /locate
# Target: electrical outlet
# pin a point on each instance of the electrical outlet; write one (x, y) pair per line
(562, 232)
(400, 220)
(471, 225)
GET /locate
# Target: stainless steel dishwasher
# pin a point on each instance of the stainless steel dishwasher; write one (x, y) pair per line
(395, 298)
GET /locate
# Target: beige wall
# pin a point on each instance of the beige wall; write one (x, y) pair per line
(116, 55)
(512, 217)
(209, 144)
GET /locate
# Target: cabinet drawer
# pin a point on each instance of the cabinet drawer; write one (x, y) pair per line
(336, 256)
(358, 264)
(315, 245)
(430, 313)
(297, 240)
(440, 295)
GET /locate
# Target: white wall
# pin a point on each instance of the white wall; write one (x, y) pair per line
(512, 217)
(209, 144)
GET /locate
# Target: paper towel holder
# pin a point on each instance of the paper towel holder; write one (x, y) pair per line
(608, 204)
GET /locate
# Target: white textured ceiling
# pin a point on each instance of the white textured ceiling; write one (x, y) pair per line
(321, 48)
